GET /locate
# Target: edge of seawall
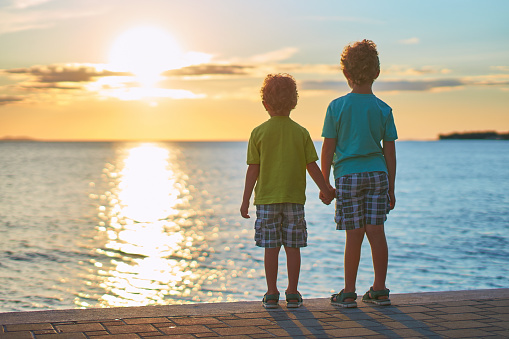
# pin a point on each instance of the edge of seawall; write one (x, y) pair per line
(206, 309)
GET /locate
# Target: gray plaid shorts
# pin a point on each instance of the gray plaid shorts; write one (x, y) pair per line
(280, 224)
(361, 199)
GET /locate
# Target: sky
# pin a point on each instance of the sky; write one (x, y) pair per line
(192, 70)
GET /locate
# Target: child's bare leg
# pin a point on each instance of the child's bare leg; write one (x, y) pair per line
(293, 267)
(271, 267)
(353, 245)
(380, 255)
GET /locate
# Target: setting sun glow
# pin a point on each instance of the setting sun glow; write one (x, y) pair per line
(146, 52)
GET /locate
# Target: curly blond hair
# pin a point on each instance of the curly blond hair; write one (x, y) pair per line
(279, 91)
(360, 61)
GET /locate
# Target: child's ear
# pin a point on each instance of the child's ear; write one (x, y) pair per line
(266, 105)
(377, 74)
(345, 73)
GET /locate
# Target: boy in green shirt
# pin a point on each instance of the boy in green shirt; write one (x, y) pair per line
(279, 152)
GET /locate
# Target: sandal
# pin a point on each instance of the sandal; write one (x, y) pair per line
(267, 298)
(373, 296)
(290, 300)
(338, 299)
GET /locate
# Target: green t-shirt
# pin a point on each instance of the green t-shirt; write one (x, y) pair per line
(283, 148)
(359, 122)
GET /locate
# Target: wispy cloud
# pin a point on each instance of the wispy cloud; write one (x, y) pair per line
(361, 20)
(406, 70)
(209, 69)
(404, 85)
(64, 73)
(22, 4)
(9, 99)
(410, 41)
(29, 15)
(273, 56)
(501, 68)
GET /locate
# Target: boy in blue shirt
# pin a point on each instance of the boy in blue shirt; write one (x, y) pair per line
(279, 153)
(364, 170)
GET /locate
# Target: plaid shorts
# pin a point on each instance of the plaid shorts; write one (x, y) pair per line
(280, 224)
(362, 199)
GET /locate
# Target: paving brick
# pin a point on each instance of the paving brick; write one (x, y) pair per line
(461, 316)
(191, 329)
(150, 334)
(44, 331)
(76, 335)
(28, 327)
(79, 328)
(206, 335)
(138, 328)
(247, 322)
(96, 333)
(464, 324)
(253, 315)
(131, 321)
(350, 332)
(112, 323)
(238, 330)
(412, 309)
(16, 335)
(464, 333)
(460, 309)
(197, 321)
(119, 336)
(345, 324)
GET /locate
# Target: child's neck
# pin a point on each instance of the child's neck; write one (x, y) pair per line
(362, 89)
(279, 114)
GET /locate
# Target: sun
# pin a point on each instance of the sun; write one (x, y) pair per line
(146, 51)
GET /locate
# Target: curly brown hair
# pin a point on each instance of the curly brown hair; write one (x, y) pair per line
(279, 91)
(360, 61)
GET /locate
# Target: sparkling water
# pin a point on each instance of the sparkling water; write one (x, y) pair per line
(130, 224)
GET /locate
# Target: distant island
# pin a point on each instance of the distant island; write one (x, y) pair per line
(487, 135)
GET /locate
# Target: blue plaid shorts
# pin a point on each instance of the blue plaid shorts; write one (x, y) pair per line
(361, 199)
(280, 224)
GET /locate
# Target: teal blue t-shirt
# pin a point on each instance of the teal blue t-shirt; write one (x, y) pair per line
(359, 122)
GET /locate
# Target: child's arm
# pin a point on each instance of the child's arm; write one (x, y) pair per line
(316, 175)
(251, 176)
(328, 148)
(389, 149)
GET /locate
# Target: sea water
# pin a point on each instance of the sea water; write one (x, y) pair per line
(130, 224)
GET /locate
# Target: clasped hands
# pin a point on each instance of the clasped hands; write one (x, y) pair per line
(327, 197)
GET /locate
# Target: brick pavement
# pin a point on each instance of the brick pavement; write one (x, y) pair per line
(460, 314)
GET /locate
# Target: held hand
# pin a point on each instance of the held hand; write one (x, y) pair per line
(392, 200)
(324, 199)
(244, 210)
(327, 197)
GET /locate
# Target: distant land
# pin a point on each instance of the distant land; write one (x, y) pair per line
(485, 135)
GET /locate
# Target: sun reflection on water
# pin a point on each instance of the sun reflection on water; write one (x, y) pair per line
(144, 219)
(157, 238)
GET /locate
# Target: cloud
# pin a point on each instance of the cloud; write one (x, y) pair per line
(500, 68)
(396, 85)
(347, 19)
(423, 85)
(9, 99)
(313, 85)
(410, 41)
(27, 15)
(209, 69)
(406, 70)
(22, 4)
(274, 56)
(64, 73)
(255, 70)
